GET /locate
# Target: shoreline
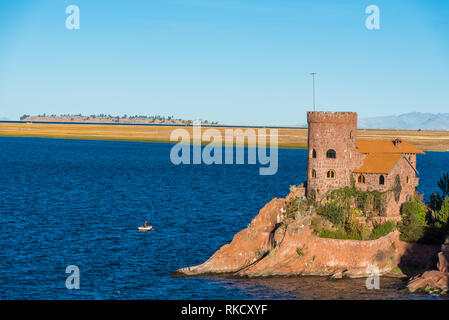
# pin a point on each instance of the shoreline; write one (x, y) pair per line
(288, 137)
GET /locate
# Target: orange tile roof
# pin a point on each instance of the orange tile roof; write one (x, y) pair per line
(379, 163)
(385, 146)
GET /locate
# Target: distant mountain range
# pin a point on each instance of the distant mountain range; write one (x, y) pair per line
(3, 119)
(412, 121)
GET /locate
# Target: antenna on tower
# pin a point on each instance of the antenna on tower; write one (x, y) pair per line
(313, 83)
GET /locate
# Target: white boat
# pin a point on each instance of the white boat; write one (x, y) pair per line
(146, 228)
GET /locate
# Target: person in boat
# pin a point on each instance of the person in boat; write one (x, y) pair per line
(145, 224)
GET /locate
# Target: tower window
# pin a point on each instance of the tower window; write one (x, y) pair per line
(313, 173)
(408, 180)
(314, 153)
(331, 154)
(330, 174)
(382, 180)
(361, 179)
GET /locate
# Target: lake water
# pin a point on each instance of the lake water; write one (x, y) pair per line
(79, 202)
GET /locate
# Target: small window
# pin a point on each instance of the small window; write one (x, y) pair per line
(330, 174)
(313, 173)
(350, 135)
(382, 180)
(361, 179)
(314, 153)
(331, 154)
(408, 180)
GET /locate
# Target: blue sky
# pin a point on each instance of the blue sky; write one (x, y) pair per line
(232, 61)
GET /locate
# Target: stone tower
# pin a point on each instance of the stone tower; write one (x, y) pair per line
(332, 152)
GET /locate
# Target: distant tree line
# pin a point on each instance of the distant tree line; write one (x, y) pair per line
(152, 118)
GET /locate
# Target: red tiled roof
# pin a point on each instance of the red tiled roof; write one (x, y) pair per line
(379, 163)
(385, 146)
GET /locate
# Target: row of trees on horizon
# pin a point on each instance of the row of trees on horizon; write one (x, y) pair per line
(114, 118)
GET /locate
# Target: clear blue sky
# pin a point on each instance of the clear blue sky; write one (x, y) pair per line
(232, 61)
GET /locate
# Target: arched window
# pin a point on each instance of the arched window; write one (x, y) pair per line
(382, 180)
(350, 135)
(331, 154)
(361, 179)
(330, 174)
(408, 180)
(313, 173)
(314, 153)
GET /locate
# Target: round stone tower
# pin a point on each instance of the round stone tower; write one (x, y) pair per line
(332, 151)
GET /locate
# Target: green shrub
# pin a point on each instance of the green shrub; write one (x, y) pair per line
(443, 215)
(396, 270)
(435, 201)
(299, 251)
(334, 213)
(417, 209)
(443, 184)
(356, 230)
(412, 226)
(382, 229)
(337, 234)
(292, 208)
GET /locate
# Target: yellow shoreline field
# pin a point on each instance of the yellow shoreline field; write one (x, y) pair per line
(287, 137)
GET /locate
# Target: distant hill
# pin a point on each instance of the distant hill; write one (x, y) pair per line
(413, 121)
(102, 118)
(3, 119)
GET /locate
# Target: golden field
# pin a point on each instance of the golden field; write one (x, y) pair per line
(288, 137)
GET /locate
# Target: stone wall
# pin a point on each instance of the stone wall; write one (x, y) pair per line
(336, 131)
(404, 170)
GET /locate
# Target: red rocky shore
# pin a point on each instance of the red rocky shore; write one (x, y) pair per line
(275, 246)
(434, 280)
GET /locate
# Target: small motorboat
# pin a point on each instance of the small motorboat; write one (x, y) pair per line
(147, 228)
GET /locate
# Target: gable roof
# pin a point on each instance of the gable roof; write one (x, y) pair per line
(381, 163)
(385, 146)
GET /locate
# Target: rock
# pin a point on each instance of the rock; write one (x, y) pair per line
(443, 262)
(272, 245)
(336, 275)
(430, 280)
(445, 248)
(246, 245)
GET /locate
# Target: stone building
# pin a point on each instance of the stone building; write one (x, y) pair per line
(336, 159)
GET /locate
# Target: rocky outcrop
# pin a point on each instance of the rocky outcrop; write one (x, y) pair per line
(273, 245)
(443, 261)
(430, 281)
(246, 246)
(434, 280)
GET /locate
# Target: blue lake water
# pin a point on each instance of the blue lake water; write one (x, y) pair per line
(79, 202)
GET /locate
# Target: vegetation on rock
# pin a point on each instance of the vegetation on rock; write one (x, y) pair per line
(348, 213)
(427, 223)
(382, 229)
